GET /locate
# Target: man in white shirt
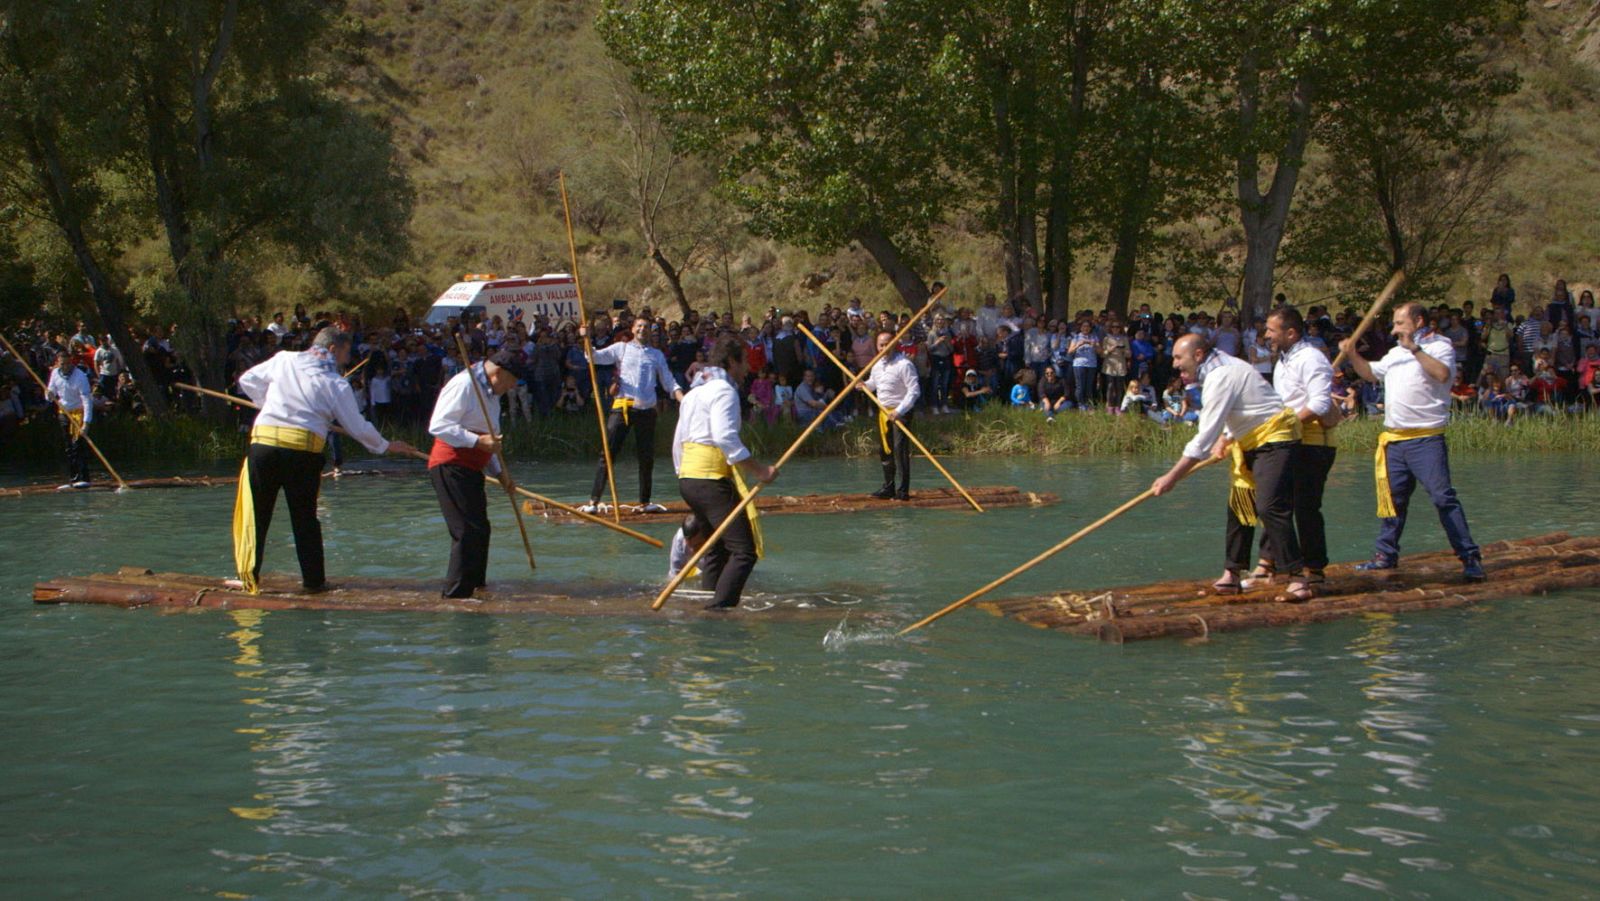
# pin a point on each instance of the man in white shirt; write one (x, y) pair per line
(640, 370)
(1416, 376)
(706, 449)
(108, 364)
(894, 380)
(463, 450)
(276, 326)
(1243, 411)
(299, 395)
(1303, 378)
(68, 389)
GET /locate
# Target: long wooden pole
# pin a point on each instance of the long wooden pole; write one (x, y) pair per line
(588, 352)
(499, 449)
(905, 429)
(1366, 322)
(357, 368)
(419, 455)
(45, 389)
(748, 499)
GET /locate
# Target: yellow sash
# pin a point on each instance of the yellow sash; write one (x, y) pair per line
(74, 421)
(703, 461)
(244, 530)
(883, 430)
(288, 438)
(1242, 494)
(1385, 499)
(1314, 433)
(623, 405)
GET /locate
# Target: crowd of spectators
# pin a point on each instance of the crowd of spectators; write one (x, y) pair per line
(1509, 365)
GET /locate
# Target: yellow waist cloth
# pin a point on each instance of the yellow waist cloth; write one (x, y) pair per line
(1314, 433)
(1381, 459)
(883, 430)
(1242, 494)
(620, 404)
(288, 438)
(703, 461)
(74, 421)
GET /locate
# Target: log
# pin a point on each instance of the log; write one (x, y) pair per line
(927, 499)
(1180, 608)
(177, 482)
(132, 587)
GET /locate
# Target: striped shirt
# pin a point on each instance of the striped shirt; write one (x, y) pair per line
(640, 370)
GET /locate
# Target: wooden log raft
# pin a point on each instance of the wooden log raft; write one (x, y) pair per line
(178, 482)
(136, 587)
(926, 499)
(1191, 608)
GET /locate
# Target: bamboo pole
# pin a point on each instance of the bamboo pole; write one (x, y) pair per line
(1138, 499)
(588, 353)
(748, 499)
(903, 427)
(419, 455)
(122, 484)
(1366, 321)
(357, 368)
(499, 450)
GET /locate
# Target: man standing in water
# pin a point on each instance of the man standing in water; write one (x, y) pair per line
(299, 395)
(709, 457)
(1243, 411)
(1416, 375)
(463, 448)
(894, 381)
(640, 371)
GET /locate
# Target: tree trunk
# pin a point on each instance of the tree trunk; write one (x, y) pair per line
(913, 290)
(1005, 175)
(1063, 173)
(1133, 213)
(52, 179)
(1265, 216)
(674, 280)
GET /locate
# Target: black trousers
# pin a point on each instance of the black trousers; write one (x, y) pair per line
(1273, 466)
(643, 424)
(466, 515)
(298, 474)
(77, 451)
(727, 565)
(897, 458)
(1310, 478)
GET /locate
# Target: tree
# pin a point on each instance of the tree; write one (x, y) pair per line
(820, 118)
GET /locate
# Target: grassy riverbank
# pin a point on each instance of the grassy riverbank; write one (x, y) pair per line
(185, 443)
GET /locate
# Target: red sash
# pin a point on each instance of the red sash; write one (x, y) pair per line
(470, 457)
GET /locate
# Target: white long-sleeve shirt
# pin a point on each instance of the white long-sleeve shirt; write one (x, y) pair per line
(305, 390)
(640, 370)
(71, 392)
(1303, 378)
(458, 418)
(709, 414)
(1411, 400)
(1234, 398)
(894, 381)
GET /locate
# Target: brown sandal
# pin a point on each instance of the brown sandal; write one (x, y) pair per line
(1293, 595)
(1227, 585)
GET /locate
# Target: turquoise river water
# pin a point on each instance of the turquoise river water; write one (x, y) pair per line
(329, 754)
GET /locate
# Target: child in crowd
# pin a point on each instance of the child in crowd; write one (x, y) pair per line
(378, 393)
(571, 400)
(763, 397)
(1175, 403)
(975, 391)
(1136, 400)
(1498, 402)
(1022, 391)
(783, 398)
(1463, 394)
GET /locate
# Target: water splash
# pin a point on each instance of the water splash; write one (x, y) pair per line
(839, 637)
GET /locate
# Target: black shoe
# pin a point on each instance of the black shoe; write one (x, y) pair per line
(902, 495)
(1472, 570)
(1375, 564)
(883, 494)
(722, 606)
(324, 588)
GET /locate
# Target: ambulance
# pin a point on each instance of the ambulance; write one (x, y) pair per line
(519, 297)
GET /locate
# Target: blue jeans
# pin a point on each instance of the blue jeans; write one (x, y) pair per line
(1425, 461)
(1083, 379)
(942, 373)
